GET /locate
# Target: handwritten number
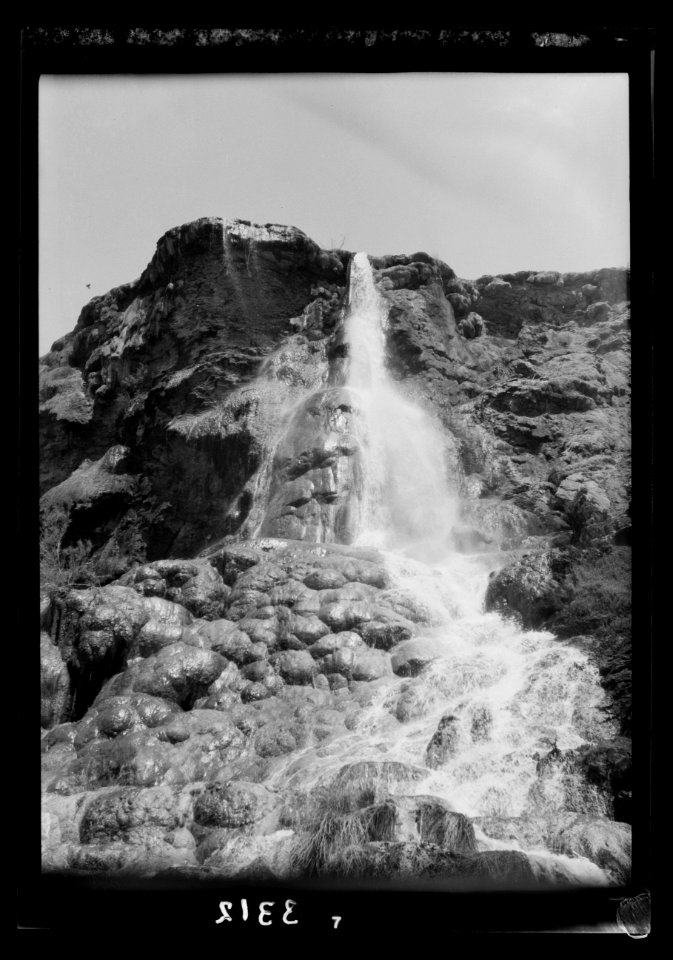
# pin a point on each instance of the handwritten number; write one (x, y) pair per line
(289, 904)
(223, 910)
(263, 912)
(264, 918)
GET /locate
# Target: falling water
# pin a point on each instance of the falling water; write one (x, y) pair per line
(505, 697)
(406, 505)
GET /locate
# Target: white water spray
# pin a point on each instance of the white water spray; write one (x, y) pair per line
(406, 505)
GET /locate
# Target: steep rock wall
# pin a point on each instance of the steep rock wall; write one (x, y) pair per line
(167, 366)
(216, 299)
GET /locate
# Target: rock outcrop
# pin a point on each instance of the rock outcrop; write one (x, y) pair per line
(155, 422)
(216, 299)
(206, 620)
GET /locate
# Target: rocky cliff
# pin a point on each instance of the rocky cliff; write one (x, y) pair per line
(206, 618)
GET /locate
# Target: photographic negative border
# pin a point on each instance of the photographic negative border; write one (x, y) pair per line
(370, 916)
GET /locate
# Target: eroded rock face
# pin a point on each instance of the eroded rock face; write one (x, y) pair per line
(317, 473)
(217, 297)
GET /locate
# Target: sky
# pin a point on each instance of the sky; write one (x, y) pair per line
(492, 173)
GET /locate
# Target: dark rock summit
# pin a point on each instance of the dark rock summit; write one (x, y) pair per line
(217, 297)
(207, 622)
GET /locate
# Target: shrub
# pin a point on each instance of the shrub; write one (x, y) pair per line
(596, 601)
(333, 828)
(62, 567)
(335, 848)
(79, 564)
(586, 520)
(596, 594)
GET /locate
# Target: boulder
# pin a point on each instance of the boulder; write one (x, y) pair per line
(597, 312)
(607, 765)
(234, 804)
(410, 704)
(185, 747)
(444, 741)
(419, 819)
(229, 642)
(308, 630)
(257, 671)
(115, 717)
(295, 666)
(134, 814)
(254, 691)
(163, 627)
(263, 631)
(371, 666)
(604, 842)
(194, 584)
(341, 662)
(525, 589)
(324, 579)
(95, 630)
(275, 741)
(496, 286)
(471, 326)
(252, 859)
(330, 643)
(546, 397)
(384, 636)
(590, 292)
(179, 673)
(412, 656)
(345, 614)
(576, 483)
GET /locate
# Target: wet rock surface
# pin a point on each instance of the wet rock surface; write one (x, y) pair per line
(210, 639)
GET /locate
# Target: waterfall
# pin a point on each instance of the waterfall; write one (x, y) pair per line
(492, 701)
(406, 504)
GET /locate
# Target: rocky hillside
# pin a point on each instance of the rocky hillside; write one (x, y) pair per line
(203, 615)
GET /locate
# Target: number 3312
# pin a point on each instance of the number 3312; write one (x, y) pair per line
(264, 917)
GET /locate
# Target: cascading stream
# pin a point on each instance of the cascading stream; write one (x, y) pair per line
(504, 698)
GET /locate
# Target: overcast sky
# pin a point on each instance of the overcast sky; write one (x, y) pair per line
(489, 172)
